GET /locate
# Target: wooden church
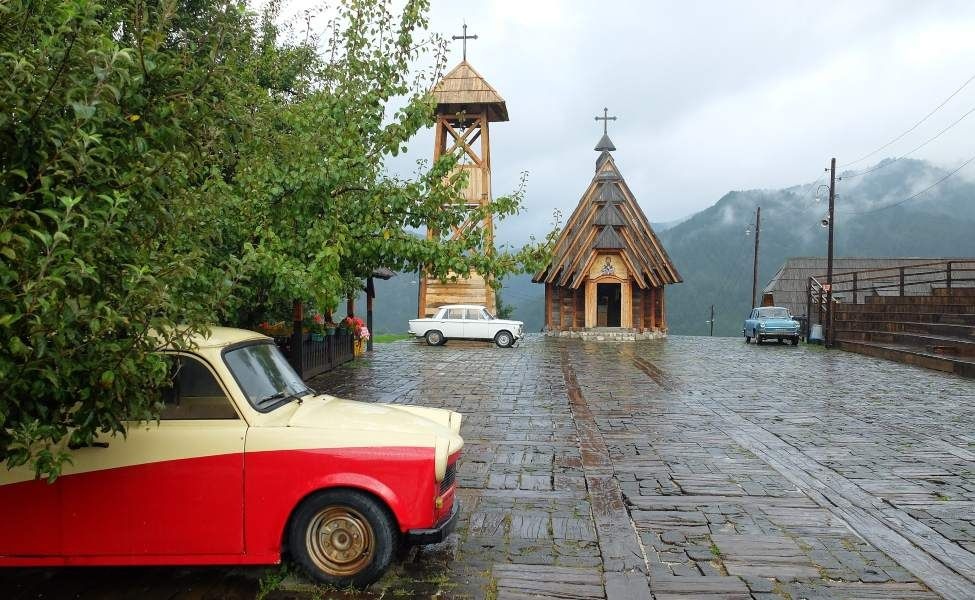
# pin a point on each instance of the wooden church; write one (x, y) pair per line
(608, 269)
(466, 106)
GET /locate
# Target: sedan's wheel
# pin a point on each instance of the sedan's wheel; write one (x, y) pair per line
(342, 538)
(434, 338)
(758, 338)
(504, 339)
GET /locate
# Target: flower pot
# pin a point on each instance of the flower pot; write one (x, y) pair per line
(317, 337)
(359, 347)
(329, 331)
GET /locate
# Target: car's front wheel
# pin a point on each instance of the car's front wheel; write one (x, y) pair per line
(504, 339)
(434, 338)
(342, 538)
(758, 338)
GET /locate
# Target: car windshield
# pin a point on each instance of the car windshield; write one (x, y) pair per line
(265, 376)
(773, 313)
(488, 316)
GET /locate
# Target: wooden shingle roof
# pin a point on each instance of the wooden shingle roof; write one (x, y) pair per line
(464, 90)
(608, 218)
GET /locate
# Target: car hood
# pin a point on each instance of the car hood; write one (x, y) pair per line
(328, 412)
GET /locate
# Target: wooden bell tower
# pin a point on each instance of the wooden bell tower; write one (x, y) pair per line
(466, 105)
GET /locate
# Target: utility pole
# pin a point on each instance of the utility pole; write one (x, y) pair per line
(758, 225)
(829, 256)
(712, 320)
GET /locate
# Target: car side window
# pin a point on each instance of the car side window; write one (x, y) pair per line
(455, 313)
(475, 314)
(195, 393)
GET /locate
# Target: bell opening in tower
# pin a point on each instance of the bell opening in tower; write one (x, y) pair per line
(609, 299)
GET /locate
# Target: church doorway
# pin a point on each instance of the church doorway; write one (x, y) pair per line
(608, 304)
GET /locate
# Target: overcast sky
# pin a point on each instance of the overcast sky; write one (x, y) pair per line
(711, 96)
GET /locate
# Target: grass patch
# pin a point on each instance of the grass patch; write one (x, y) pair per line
(271, 581)
(714, 550)
(385, 338)
(944, 497)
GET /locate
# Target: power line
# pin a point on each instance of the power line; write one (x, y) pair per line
(913, 127)
(908, 199)
(906, 154)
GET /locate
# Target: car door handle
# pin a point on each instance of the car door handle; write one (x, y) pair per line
(74, 446)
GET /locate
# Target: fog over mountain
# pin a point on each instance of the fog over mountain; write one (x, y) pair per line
(714, 256)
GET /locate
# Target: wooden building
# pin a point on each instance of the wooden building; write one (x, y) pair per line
(466, 105)
(608, 268)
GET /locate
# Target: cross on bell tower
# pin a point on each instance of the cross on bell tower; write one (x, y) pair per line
(464, 37)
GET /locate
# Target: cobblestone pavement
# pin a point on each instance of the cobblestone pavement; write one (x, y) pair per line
(690, 468)
(682, 468)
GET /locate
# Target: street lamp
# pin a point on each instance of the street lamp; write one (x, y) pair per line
(822, 190)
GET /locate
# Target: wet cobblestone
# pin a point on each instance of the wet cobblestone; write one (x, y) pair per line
(713, 517)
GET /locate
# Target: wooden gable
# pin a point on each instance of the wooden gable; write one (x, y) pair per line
(608, 219)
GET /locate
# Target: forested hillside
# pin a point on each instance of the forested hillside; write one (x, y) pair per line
(714, 255)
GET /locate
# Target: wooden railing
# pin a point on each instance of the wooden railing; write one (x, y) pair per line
(854, 287)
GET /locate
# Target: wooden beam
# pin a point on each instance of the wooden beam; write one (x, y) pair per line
(663, 310)
(626, 305)
(653, 310)
(370, 294)
(590, 304)
(548, 306)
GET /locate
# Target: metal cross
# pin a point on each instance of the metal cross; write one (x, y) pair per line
(605, 119)
(465, 37)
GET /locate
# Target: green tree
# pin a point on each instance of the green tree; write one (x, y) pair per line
(118, 124)
(165, 164)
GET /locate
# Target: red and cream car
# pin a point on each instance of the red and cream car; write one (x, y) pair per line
(245, 462)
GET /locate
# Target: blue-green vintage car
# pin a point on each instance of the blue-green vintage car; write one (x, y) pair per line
(771, 322)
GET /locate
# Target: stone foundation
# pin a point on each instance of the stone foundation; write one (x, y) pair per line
(609, 334)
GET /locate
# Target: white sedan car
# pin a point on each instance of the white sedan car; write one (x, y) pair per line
(466, 322)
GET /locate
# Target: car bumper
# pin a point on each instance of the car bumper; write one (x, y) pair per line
(438, 533)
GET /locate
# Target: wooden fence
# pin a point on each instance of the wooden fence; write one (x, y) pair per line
(314, 357)
(854, 287)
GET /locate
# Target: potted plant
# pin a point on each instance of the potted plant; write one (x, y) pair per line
(276, 329)
(317, 328)
(359, 332)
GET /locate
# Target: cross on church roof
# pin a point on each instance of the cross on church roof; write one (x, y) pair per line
(465, 37)
(605, 119)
